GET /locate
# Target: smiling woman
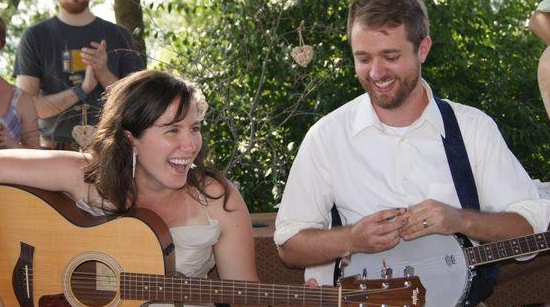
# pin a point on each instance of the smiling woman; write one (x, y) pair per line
(147, 153)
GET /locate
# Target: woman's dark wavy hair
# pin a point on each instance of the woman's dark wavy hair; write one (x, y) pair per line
(133, 104)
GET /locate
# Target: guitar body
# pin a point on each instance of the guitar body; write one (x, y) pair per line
(53, 254)
(438, 260)
(52, 245)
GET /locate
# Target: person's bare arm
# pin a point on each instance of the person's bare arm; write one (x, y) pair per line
(373, 233)
(29, 122)
(234, 252)
(543, 77)
(44, 169)
(54, 104)
(540, 25)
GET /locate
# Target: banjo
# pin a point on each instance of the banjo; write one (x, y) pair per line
(446, 272)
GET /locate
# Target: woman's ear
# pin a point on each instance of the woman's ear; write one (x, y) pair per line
(130, 137)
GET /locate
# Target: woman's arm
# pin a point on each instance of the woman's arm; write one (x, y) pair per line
(234, 252)
(45, 169)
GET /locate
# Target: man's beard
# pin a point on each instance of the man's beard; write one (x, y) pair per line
(385, 101)
(74, 7)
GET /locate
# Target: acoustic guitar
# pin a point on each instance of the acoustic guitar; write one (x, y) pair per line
(54, 254)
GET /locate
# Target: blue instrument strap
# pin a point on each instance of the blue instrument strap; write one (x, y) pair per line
(464, 182)
(457, 158)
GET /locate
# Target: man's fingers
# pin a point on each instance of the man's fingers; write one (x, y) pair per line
(312, 282)
(391, 226)
(88, 51)
(103, 44)
(86, 60)
(388, 214)
(386, 242)
(411, 235)
(95, 44)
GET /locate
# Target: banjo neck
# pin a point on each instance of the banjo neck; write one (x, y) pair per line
(505, 249)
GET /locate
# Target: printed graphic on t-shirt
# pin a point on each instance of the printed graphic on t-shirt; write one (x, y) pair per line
(72, 61)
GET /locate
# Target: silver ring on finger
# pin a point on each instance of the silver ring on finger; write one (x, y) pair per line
(425, 223)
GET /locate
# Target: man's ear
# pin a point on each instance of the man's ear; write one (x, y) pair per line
(424, 48)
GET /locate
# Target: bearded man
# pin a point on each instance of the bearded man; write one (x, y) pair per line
(399, 163)
(69, 60)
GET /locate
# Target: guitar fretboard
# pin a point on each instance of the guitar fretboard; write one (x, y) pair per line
(199, 291)
(500, 250)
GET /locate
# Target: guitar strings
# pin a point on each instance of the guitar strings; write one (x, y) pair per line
(110, 295)
(203, 296)
(193, 282)
(85, 284)
(326, 292)
(302, 289)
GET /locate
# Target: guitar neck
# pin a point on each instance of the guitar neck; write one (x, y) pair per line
(512, 248)
(149, 287)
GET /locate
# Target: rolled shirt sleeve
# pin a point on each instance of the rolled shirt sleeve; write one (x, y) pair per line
(307, 198)
(536, 212)
(502, 182)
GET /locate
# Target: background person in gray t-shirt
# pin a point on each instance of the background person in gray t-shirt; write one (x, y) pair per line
(70, 59)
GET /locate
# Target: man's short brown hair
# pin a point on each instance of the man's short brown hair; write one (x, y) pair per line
(2, 33)
(379, 13)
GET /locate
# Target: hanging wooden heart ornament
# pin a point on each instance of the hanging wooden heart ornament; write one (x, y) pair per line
(302, 54)
(83, 134)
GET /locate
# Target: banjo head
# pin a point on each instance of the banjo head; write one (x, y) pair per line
(438, 260)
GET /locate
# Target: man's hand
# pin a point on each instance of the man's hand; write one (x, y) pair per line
(377, 232)
(96, 57)
(373, 233)
(90, 82)
(430, 217)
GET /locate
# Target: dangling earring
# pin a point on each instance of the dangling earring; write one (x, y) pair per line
(134, 154)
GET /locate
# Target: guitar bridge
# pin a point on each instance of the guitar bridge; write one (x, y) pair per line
(22, 276)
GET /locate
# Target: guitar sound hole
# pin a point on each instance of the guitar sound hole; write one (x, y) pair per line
(94, 284)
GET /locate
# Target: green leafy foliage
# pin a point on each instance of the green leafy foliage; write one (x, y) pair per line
(484, 55)
(17, 14)
(262, 103)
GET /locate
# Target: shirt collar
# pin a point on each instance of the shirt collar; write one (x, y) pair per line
(366, 116)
